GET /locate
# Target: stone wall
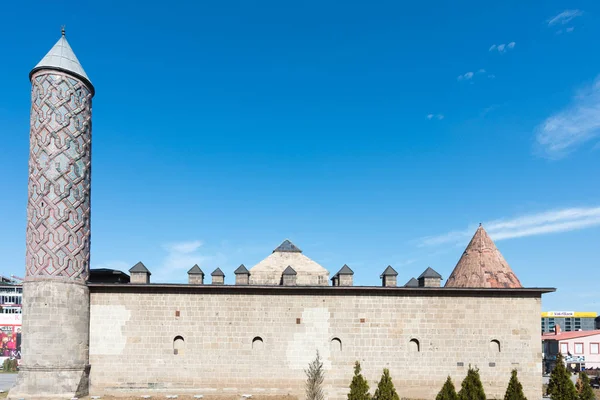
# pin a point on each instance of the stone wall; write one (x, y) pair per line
(260, 340)
(55, 347)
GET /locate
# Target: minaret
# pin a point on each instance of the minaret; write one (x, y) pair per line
(56, 302)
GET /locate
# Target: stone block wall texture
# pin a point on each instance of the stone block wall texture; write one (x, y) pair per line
(55, 350)
(196, 279)
(389, 281)
(345, 280)
(429, 282)
(303, 278)
(139, 277)
(218, 280)
(133, 332)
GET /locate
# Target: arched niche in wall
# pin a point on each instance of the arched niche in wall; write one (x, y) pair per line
(257, 343)
(414, 346)
(495, 346)
(336, 345)
(178, 345)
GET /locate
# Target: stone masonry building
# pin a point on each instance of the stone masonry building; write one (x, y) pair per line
(255, 336)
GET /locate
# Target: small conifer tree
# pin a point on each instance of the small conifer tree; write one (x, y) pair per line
(560, 386)
(584, 389)
(471, 387)
(359, 388)
(385, 388)
(514, 391)
(448, 391)
(314, 379)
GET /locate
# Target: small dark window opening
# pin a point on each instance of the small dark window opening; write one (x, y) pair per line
(495, 346)
(257, 343)
(414, 345)
(178, 345)
(336, 345)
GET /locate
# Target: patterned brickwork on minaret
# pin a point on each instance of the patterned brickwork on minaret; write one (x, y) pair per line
(58, 211)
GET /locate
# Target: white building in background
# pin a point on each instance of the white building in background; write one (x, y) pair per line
(581, 349)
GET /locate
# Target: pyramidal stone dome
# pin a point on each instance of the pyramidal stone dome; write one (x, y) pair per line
(62, 58)
(482, 266)
(287, 254)
(287, 247)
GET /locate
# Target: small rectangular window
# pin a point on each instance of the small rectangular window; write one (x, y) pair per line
(564, 348)
(578, 348)
(594, 348)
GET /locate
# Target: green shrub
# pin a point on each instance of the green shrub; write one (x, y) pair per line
(448, 392)
(560, 386)
(385, 388)
(514, 391)
(471, 387)
(359, 388)
(583, 387)
(314, 380)
(10, 365)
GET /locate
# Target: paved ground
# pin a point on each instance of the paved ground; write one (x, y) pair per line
(7, 381)
(546, 379)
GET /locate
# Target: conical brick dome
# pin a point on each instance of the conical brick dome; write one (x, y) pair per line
(482, 266)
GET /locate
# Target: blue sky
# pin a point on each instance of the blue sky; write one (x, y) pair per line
(368, 133)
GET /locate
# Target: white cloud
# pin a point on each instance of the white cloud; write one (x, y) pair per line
(564, 17)
(436, 116)
(465, 76)
(184, 247)
(553, 221)
(430, 116)
(570, 29)
(573, 126)
(470, 75)
(180, 257)
(502, 48)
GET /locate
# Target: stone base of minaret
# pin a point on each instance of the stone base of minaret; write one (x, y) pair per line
(55, 344)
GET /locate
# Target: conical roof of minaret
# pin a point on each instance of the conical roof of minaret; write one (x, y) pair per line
(482, 266)
(62, 58)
